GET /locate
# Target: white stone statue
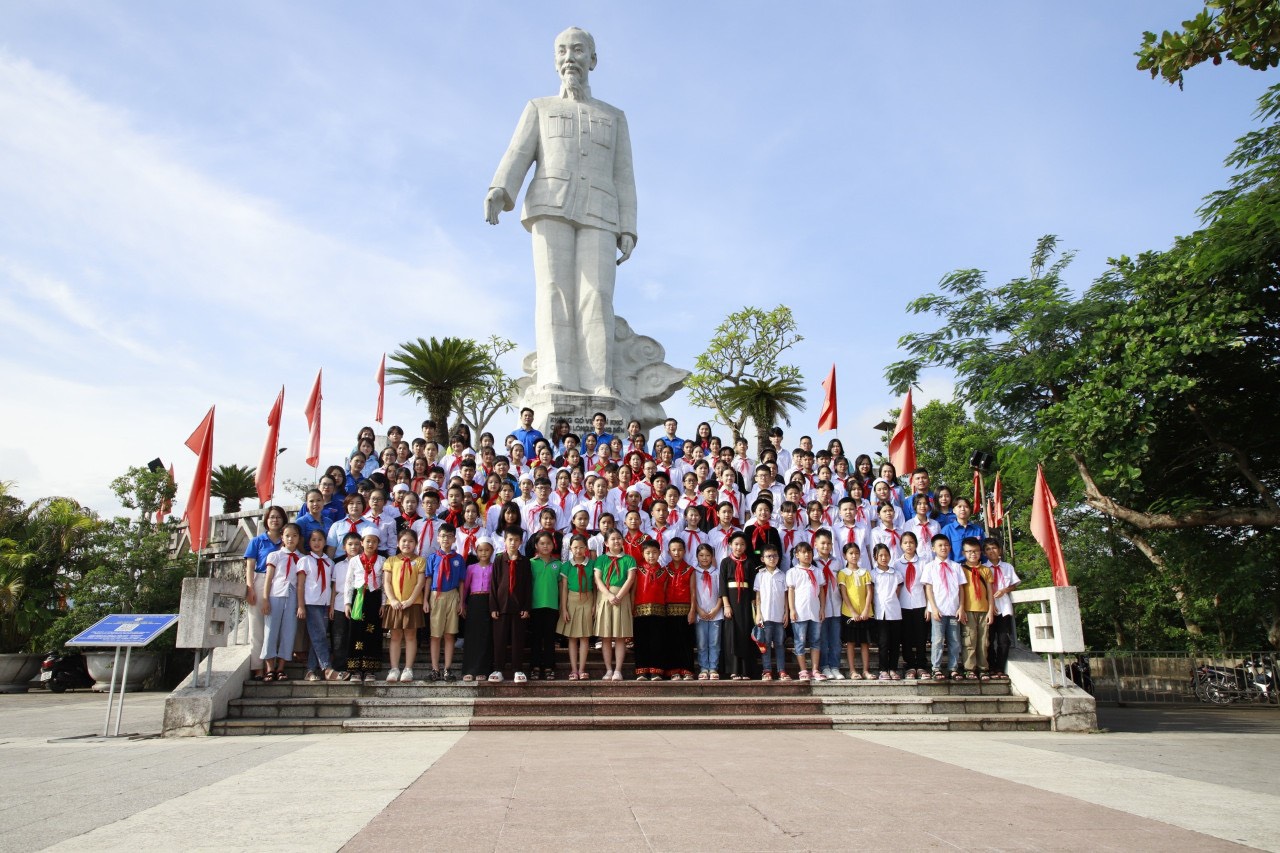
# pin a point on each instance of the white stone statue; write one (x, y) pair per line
(581, 210)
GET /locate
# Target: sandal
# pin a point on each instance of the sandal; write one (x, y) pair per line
(782, 676)
(939, 675)
(923, 675)
(270, 676)
(971, 676)
(702, 676)
(468, 678)
(984, 677)
(281, 676)
(894, 676)
(548, 675)
(573, 676)
(715, 676)
(617, 675)
(854, 675)
(957, 675)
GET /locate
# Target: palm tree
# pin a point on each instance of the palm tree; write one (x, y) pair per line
(765, 402)
(434, 372)
(233, 484)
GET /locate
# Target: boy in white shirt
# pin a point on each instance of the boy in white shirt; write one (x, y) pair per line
(942, 581)
(886, 582)
(853, 526)
(885, 532)
(911, 597)
(829, 638)
(317, 596)
(771, 612)
(805, 598)
(1004, 580)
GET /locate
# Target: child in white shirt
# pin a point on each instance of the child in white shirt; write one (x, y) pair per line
(710, 613)
(805, 598)
(317, 597)
(911, 597)
(942, 581)
(771, 611)
(1004, 580)
(886, 583)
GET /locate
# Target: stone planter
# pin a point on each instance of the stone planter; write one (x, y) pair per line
(142, 665)
(16, 670)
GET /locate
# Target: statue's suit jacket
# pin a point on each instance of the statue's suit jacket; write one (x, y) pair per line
(584, 174)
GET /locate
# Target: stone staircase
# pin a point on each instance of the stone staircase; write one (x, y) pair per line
(301, 707)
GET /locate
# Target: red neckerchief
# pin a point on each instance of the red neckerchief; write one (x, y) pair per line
(582, 576)
(428, 534)
(975, 581)
(788, 537)
(292, 557)
(608, 575)
(761, 531)
(944, 577)
(893, 536)
(828, 576)
(410, 519)
(596, 513)
(354, 523)
(468, 540)
(706, 581)
(738, 571)
(910, 580)
(368, 562)
(321, 562)
(511, 575)
(443, 561)
(813, 579)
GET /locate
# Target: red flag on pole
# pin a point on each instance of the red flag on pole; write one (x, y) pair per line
(382, 386)
(902, 447)
(166, 506)
(979, 493)
(1045, 529)
(827, 419)
(266, 479)
(997, 503)
(313, 422)
(197, 511)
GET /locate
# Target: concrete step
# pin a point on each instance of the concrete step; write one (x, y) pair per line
(346, 708)
(647, 706)
(943, 722)
(737, 721)
(946, 705)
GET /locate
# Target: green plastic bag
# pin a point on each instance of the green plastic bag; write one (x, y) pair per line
(357, 607)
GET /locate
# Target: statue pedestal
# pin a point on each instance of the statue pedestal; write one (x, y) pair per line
(641, 376)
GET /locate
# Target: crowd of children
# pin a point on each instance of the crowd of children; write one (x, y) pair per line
(700, 561)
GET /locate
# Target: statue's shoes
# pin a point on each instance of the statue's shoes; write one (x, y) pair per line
(604, 391)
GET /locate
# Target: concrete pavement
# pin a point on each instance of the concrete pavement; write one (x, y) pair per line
(1166, 785)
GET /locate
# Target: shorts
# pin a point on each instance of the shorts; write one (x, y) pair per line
(444, 613)
(859, 632)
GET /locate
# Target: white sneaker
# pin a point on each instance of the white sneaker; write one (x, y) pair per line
(829, 672)
(520, 678)
(393, 675)
(837, 674)
(495, 676)
(406, 675)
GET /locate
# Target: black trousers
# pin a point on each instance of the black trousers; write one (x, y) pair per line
(544, 637)
(915, 634)
(365, 636)
(508, 636)
(678, 639)
(999, 639)
(477, 655)
(890, 640)
(338, 631)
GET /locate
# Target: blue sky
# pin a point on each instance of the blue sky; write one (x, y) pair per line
(201, 201)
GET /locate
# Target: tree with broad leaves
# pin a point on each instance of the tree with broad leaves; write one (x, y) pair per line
(1247, 32)
(477, 404)
(746, 347)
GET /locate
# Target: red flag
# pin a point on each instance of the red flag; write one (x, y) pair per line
(381, 379)
(902, 447)
(197, 511)
(979, 493)
(1045, 529)
(166, 506)
(266, 479)
(997, 503)
(827, 417)
(313, 422)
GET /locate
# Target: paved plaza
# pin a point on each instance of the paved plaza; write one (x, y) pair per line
(1167, 779)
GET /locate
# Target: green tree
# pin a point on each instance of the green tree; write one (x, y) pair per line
(232, 484)
(747, 346)
(764, 402)
(1246, 32)
(478, 403)
(436, 372)
(1158, 383)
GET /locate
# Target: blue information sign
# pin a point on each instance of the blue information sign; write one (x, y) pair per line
(125, 629)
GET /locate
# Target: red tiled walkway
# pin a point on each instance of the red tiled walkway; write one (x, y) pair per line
(741, 791)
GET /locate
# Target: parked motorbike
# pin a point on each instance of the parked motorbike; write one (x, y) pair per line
(1253, 680)
(1081, 672)
(61, 672)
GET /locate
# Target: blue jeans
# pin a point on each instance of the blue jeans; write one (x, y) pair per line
(805, 633)
(318, 632)
(947, 628)
(774, 642)
(708, 645)
(829, 643)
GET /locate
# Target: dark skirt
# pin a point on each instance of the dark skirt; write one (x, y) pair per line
(365, 636)
(741, 654)
(477, 642)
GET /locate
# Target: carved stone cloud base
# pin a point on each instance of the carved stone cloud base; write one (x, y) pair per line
(643, 381)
